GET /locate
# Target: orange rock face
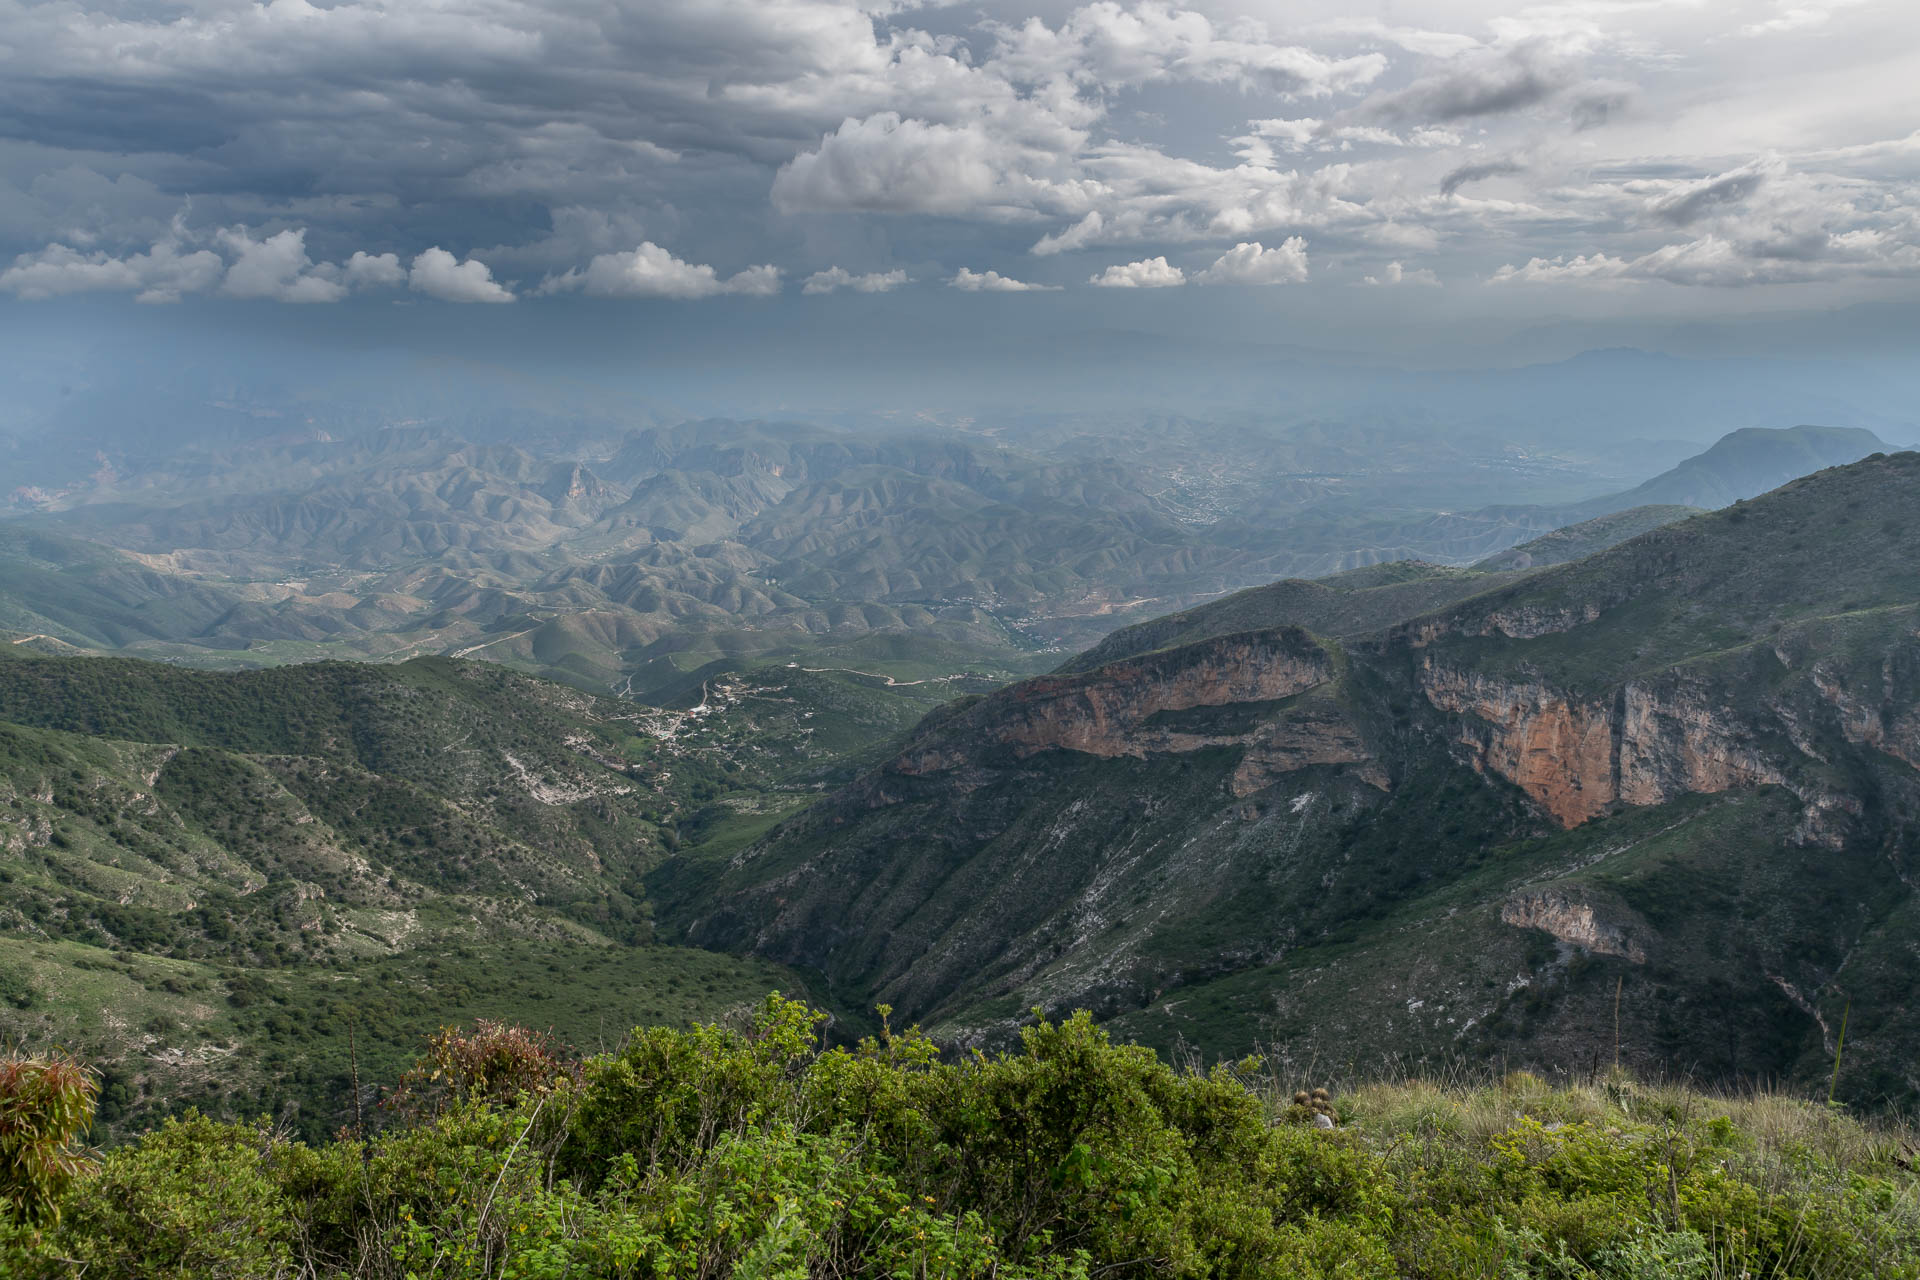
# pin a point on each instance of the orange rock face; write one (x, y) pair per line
(1105, 713)
(1574, 758)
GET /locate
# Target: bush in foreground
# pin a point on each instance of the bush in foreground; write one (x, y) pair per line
(757, 1153)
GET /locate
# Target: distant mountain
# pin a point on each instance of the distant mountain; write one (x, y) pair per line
(1751, 461)
(1006, 545)
(1740, 465)
(1684, 770)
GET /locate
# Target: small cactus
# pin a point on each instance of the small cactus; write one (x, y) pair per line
(1314, 1107)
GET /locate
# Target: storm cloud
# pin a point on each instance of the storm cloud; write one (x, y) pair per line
(750, 152)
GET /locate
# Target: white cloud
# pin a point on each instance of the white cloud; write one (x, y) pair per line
(1116, 46)
(1295, 135)
(1395, 273)
(762, 281)
(650, 271)
(1250, 263)
(276, 268)
(372, 270)
(261, 268)
(1715, 261)
(1148, 273)
(1432, 44)
(840, 278)
(1761, 223)
(889, 164)
(164, 273)
(1146, 195)
(970, 281)
(1797, 15)
(438, 274)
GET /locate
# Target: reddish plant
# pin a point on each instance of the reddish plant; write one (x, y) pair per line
(495, 1065)
(46, 1104)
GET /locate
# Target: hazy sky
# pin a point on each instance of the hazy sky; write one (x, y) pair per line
(1288, 166)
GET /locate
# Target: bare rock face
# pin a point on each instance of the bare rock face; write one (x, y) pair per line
(1308, 736)
(1558, 751)
(1873, 717)
(1644, 745)
(1109, 712)
(1572, 921)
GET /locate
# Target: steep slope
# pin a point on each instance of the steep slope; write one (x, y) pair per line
(1684, 765)
(1576, 541)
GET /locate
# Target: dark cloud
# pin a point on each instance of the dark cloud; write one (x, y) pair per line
(1596, 106)
(1691, 203)
(1475, 172)
(82, 115)
(1513, 82)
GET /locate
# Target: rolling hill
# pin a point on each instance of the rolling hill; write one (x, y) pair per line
(210, 881)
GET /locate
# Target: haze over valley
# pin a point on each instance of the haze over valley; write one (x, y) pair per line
(1131, 640)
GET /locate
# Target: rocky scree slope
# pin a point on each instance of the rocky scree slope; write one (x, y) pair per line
(1682, 770)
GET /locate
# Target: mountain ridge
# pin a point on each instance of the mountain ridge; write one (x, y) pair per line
(1151, 844)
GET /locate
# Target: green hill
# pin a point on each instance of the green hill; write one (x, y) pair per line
(207, 880)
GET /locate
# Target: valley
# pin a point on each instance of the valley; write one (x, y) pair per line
(1405, 812)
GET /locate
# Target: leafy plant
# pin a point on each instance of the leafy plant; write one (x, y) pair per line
(494, 1065)
(46, 1106)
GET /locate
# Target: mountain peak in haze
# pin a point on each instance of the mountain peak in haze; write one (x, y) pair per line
(1751, 461)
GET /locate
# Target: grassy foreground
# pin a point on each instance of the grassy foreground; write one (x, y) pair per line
(753, 1151)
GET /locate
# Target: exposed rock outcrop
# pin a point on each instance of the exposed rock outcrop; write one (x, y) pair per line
(1572, 921)
(1108, 712)
(1574, 757)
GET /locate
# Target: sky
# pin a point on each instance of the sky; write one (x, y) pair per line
(1421, 176)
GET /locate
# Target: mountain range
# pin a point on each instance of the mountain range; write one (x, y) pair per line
(643, 554)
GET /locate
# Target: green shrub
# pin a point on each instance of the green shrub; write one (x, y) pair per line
(757, 1152)
(194, 1198)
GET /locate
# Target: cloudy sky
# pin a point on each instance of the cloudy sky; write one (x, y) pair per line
(1302, 164)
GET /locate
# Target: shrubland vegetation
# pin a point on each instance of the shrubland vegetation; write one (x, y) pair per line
(754, 1150)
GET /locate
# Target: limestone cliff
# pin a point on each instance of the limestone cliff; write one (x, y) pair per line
(1114, 711)
(1644, 744)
